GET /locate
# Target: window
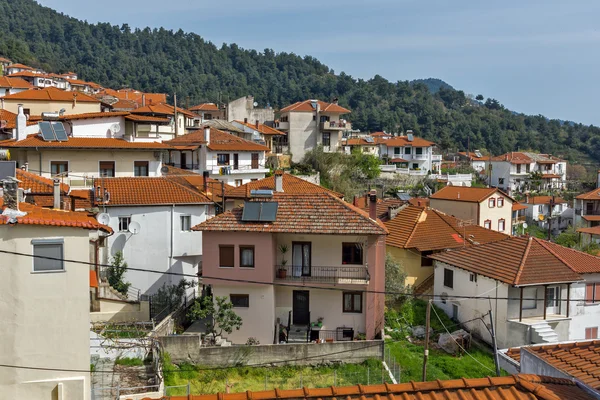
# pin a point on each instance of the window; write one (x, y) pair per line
(528, 168)
(426, 261)
(186, 223)
(59, 167)
(254, 161)
(207, 116)
(407, 150)
(449, 278)
(529, 298)
(592, 293)
(247, 256)
(591, 333)
(396, 151)
(418, 150)
(140, 168)
(501, 225)
(473, 278)
(240, 300)
(51, 248)
(518, 168)
(352, 253)
(226, 257)
(326, 139)
(222, 159)
(26, 111)
(492, 203)
(253, 179)
(124, 224)
(500, 202)
(455, 312)
(238, 182)
(107, 169)
(487, 224)
(284, 119)
(415, 166)
(500, 181)
(314, 117)
(352, 302)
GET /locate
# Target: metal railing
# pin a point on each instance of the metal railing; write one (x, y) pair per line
(330, 335)
(133, 294)
(358, 274)
(184, 166)
(590, 212)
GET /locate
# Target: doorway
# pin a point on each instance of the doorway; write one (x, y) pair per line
(553, 300)
(300, 307)
(183, 160)
(236, 161)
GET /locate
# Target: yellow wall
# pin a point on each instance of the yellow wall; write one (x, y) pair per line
(38, 107)
(459, 209)
(410, 260)
(121, 311)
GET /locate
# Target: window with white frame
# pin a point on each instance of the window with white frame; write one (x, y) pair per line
(473, 277)
(501, 225)
(48, 255)
(500, 202)
(487, 224)
(492, 203)
(124, 222)
(186, 223)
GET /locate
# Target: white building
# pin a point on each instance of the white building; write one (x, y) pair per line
(246, 109)
(12, 85)
(540, 291)
(410, 154)
(512, 171)
(263, 134)
(475, 158)
(225, 157)
(546, 210)
(45, 303)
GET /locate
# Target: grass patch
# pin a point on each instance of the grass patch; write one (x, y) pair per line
(130, 362)
(241, 379)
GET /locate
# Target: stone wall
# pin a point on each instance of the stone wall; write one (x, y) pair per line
(187, 348)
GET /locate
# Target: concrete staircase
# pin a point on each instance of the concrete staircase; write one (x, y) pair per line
(543, 333)
(297, 334)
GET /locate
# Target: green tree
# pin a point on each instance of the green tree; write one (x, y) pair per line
(116, 271)
(479, 97)
(568, 238)
(219, 314)
(395, 280)
(170, 297)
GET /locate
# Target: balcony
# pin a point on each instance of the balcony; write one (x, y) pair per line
(519, 220)
(420, 156)
(243, 169)
(587, 212)
(337, 275)
(436, 157)
(335, 126)
(185, 166)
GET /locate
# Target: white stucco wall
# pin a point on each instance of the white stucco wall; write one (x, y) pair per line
(96, 127)
(423, 161)
(45, 316)
(583, 315)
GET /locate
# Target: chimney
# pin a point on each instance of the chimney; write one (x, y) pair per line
(373, 204)
(335, 100)
(205, 175)
(56, 194)
(393, 211)
(74, 99)
(279, 181)
(21, 123)
(256, 125)
(355, 201)
(10, 193)
(143, 100)
(207, 135)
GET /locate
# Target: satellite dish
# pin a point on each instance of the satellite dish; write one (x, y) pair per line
(164, 169)
(255, 104)
(134, 227)
(103, 218)
(525, 225)
(114, 128)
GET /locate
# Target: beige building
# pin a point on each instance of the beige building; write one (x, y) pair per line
(45, 303)
(51, 100)
(490, 208)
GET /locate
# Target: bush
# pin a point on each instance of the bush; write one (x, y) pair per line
(131, 362)
(252, 341)
(116, 271)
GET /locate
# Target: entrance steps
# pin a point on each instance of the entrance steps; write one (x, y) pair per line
(297, 334)
(543, 333)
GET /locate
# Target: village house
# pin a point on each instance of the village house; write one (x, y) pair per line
(541, 292)
(513, 172)
(487, 207)
(17, 67)
(246, 109)
(12, 85)
(45, 304)
(476, 160)
(548, 212)
(39, 80)
(185, 119)
(4, 62)
(263, 134)
(416, 232)
(365, 144)
(312, 123)
(587, 209)
(410, 155)
(519, 218)
(208, 111)
(51, 100)
(316, 247)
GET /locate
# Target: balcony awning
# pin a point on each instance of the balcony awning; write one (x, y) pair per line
(93, 279)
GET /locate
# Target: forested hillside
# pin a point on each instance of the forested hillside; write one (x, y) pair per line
(165, 61)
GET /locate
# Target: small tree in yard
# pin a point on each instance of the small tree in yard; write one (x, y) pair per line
(395, 278)
(170, 296)
(116, 271)
(219, 314)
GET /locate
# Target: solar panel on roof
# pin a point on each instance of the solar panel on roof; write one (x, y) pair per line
(411, 137)
(59, 131)
(268, 212)
(478, 153)
(251, 211)
(47, 132)
(369, 139)
(260, 211)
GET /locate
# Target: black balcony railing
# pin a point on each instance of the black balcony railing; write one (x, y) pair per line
(334, 274)
(184, 166)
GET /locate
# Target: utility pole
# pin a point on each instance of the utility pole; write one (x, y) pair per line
(495, 347)
(175, 114)
(550, 218)
(426, 347)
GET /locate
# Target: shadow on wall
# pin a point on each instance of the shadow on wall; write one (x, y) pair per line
(118, 244)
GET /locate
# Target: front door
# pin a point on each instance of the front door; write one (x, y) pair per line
(254, 160)
(300, 310)
(553, 300)
(301, 259)
(183, 160)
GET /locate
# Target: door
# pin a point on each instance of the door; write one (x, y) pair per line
(301, 258)
(553, 300)
(589, 208)
(300, 309)
(236, 161)
(183, 160)
(254, 160)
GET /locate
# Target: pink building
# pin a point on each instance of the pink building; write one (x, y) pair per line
(335, 260)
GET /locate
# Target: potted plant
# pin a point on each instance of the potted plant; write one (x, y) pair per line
(282, 271)
(318, 323)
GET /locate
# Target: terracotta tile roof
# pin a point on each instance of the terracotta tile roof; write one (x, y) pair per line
(316, 213)
(146, 118)
(591, 217)
(205, 107)
(51, 94)
(44, 216)
(4, 60)
(38, 184)
(162, 109)
(466, 194)
(9, 117)
(214, 187)
(291, 185)
(593, 195)
(383, 206)
(20, 66)
(519, 157)
(518, 206)
(125, 105)
(28, 74)
(363, 142)
(426, 229)
(473, 157)
(262, 128)
(544, 200)
(149, 191)
(306, 106)
(15, 83)
(515, 387)
(578, 261)
(419, 201)
(137, 96)
(551, 176)
(73, 117)
(581, 360)
(380, 134)
(32, 141)
(594, 230)
(399, 141)
(515, 261)
(219, 140)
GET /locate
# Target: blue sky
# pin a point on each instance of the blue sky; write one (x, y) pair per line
(534, 56)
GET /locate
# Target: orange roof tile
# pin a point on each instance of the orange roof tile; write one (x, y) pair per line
(578, 261)
(544, 200)
(473, 157)
(383, 206)
(515, 387)
(316, 213)
(219, 140)
(466, 194)
(399, 141)
(380, 134)
(363, 142)
(4, 60)
(419, 201)
(551, 176)
(84, 143)
(92, 115)
(306, 106)
(291, 185)
(162, 109)
(429, 229)
(594, 230)
(515, 261)
(15, 83)
(131, 191)
(593, 195)
(38, 184)
(518, 206)
(591, 217)
(262, 128)
(137, 96)
(20, 66)
(28, 74)
(125, 105)
(205, 107)
(44, 216)
(514, 157)
(147, 118)
(51, 94)
(9, 117)
(214, 188)
(581, 360)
